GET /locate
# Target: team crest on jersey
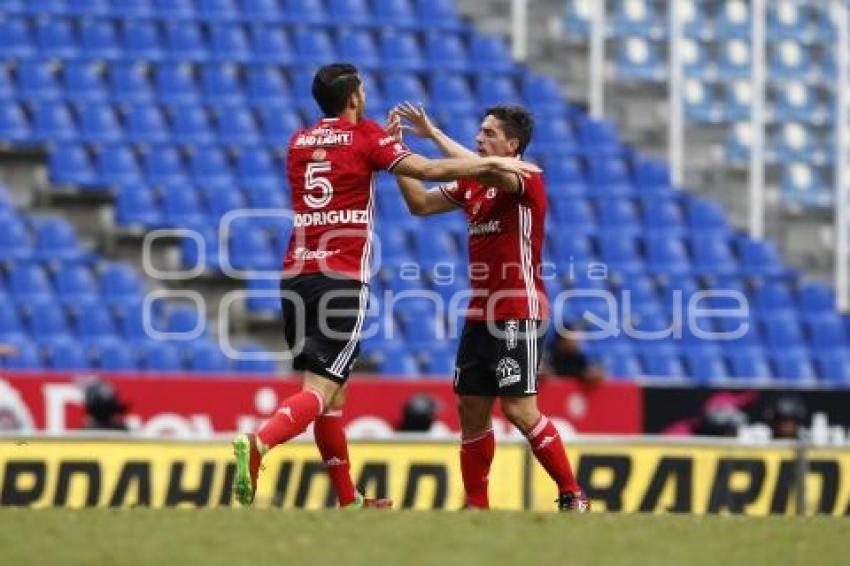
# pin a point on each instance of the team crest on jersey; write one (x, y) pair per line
(319, 155)
(508, 372)
(468, 194)
(491, 193)
(511, 331)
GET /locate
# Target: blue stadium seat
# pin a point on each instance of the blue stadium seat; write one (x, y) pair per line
(437, 14)
(236, 127)
(401, 87)
(210, 167)
(271, 45)
(759, 258)
(92, 320)
(815, 298)
(25, 356)
(706, 217)
(734, 60)
(700, 102)
(804, 184)
(229, 42)
(99, 40)
(785, 21)
(663, 365)
(314, 46)
(37, 80)
(128, 82)
(14, 126)
(446, 52)
(221, 202)
(403, 365)
(220, 84)
(88, 8)
(489, 54)
(28, 283)
(14, 238)
(542, 95)
(164, 165)
(345, 13)
(181, 206)
(622, 366)
(565, 178)
(175, 83)
(706, 367)
(45, 319)
(70, 165)
(135, 206)
(117, 166)
(826, 332)
(119, 281)
(556, 136)
(66, 353)
(834, 366)
(639, 60)
(269, 11)
(620, 253)
(159, 356)
(636, 17)
(733, 20)
(114, 355)
(393, 13)
(266, 86)
(278, 125)
(142, 41)
(10, 322)
(206, 356)
(712, 255)
(793, 364)
(401, 51)
(55, 39)
(75, 284)
(263, 296)
(252, 365)
(790, 60)
(217, 10)
(251, 250)
(190, 125)
(18, 41)
(749, 364)
(359, 47)
(618, 215)
(83, 81)
(146, 124)
(773, 295)
(783, 333)
(185, 42)
(132, 8)
(609, 177)
(98, 124)
(795, 101)
(56, 239)
(598, 138)
(496, 89)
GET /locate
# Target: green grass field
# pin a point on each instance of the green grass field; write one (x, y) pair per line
(283, 538)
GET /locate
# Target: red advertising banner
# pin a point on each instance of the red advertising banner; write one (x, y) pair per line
(189, 406)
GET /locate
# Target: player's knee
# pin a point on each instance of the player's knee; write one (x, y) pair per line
(521, 413)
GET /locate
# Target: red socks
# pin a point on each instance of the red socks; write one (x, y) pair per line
(295, 413)
(330, 438)
(549, 450)
(476, 455)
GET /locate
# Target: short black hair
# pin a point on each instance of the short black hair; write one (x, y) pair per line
(517, 123)
(332, 86)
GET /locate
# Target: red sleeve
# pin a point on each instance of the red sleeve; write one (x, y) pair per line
(455, 191)
(382, 150)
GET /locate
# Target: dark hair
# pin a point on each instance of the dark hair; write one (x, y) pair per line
(517, 123)
(333, 85)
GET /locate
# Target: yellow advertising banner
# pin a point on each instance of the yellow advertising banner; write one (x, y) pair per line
(111, 473)
(700, 479)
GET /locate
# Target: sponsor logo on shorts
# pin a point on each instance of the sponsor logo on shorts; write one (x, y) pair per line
(511, 331)
(508, 371)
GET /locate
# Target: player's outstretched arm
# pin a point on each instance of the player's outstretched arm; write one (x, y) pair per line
(420, 125)
(421, 201)
(453, 168)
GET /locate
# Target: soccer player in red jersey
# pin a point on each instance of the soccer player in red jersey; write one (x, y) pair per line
(331, 167)
(500, 346)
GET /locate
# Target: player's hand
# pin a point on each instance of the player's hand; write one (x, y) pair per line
(513, 165)
(420, 124)
(394, 126)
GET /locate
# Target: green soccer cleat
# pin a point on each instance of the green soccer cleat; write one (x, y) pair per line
(248, 458)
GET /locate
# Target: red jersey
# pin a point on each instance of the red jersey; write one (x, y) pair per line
(330, 168)
(506, 234)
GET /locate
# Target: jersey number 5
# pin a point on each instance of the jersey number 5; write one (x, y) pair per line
(313, 181)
